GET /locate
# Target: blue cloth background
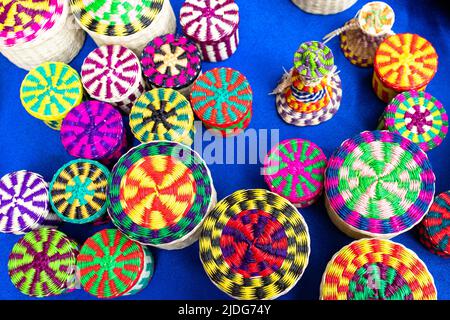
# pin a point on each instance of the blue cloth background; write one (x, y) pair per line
(270, 33)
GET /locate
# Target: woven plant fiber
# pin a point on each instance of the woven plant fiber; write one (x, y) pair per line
(324, 6)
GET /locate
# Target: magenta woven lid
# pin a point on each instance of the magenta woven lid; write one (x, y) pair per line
(171, 61)
(209, 20)
(92, 130)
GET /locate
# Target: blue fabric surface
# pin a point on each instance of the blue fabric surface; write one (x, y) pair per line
(270, 33)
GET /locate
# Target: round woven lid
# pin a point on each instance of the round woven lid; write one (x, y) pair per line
(43, 263)
(375, 269)
(313, 60)
(23, 21)
(110, 72)
(159, 192)
(23, 201)
(92, 130)
(209, 20)
(49, 91)
(254, 245)
(379, 183)
(294, 169)
(405, 62)
(419, 117)
(110, 264)
(116, 17)
(78, 191)
(435, 227)
(221, 97)
(161, 114)
(376, 18)
(171, 61)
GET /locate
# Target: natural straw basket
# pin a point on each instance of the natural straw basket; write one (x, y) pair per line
(113, 74)
(417, 116)
(78, 191)
(172, 61)
(160, 193)
(129, 23)
(24, 203)
(403, 62)
(222, 99)
(254, 245)
(33, 32)
(434, 230)
(213, 25)
(43, 263)
(294, 169)
(378, 184)
(163, 114)
(113, 266)
(375, 269)
(50, 91)
(324, 6)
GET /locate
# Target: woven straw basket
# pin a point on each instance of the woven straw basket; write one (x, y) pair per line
(324, 6)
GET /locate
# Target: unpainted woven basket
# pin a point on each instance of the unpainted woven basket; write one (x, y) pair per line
(324, 6)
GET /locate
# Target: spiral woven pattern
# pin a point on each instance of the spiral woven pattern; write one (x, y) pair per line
(78, 191)
(313, 60)
(116, 17)
(23, 21)
(435, 227)
(92, 130)
(405, 62)
(50, 91)
(254, 245)
(43, 263)
(111, 265)
(111, 73)
(419, 117)
(222, 98)
(162, 114)
(160, 193)
(376, 269)
(171, 61)
(24, 203)
(294, 169)
(376, 18)
(324, 7)
(378, 184)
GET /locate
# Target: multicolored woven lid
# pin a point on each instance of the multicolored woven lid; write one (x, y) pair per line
(376, 18)
(435, 227)
(23, 21)
(160, 193)
(209, 20)
(405, 62)
(376, 269)
(23, 202)
(378, 184)
(254, 245)
(222, 97)
(43, 263)
(171, 61)
(313, 60)
(111, 265)
(162, 114)
(110, 72)
(419, 117)
(92, 130)
(116, 17)
(78, 191)
(294, 169)
(49, 91)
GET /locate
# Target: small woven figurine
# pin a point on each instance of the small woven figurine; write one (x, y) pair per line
(254, 245)
(129, 23)
(36, 31)
(376, 269)
(324, 6)
(310, 93)
(213, 25)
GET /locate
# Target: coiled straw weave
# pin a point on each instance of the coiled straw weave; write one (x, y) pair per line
(324, 6)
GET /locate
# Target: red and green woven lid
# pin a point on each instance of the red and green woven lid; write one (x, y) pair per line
(111, 265)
